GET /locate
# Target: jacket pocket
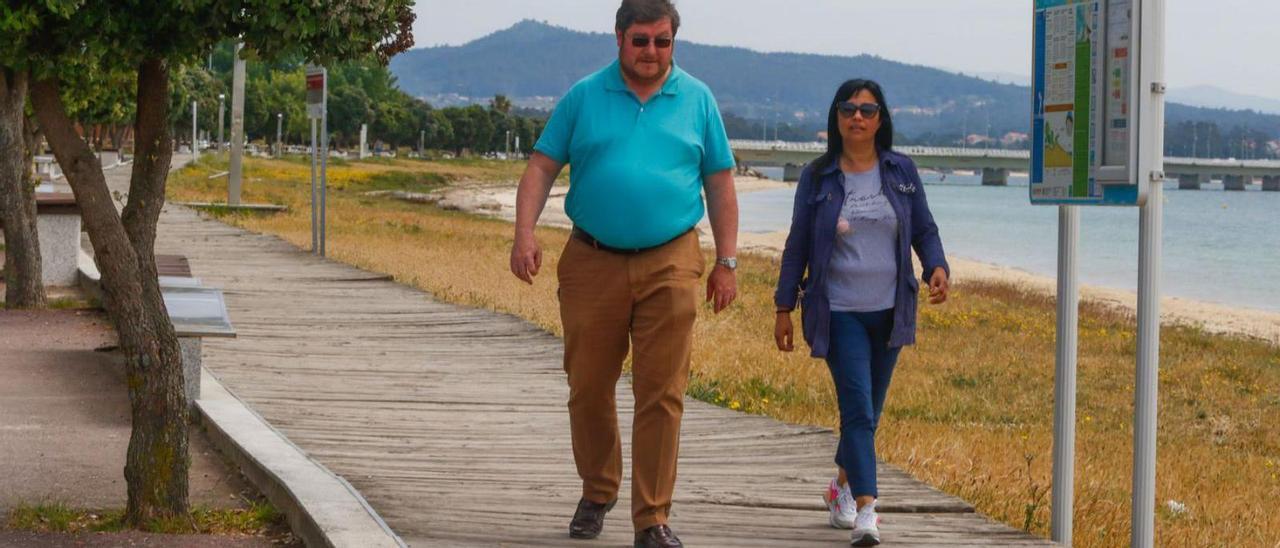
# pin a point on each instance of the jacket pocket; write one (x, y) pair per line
(819, 198)
(910, 303)
(808, 317)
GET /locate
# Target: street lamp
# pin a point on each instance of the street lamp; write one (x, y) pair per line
(279, 126)
(221, 97)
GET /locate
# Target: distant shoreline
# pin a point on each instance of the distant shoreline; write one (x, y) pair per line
(498, 201)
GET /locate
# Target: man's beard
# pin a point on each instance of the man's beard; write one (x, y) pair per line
(634, 76)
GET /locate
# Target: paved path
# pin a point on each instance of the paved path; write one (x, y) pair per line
(452, 423)
(64, 419)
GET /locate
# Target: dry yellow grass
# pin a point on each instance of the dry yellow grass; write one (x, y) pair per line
(970, 410)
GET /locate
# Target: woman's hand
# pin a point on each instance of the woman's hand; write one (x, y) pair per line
(938, 286)
(783, 332)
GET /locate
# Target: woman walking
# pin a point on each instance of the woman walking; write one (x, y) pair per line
(859, 210)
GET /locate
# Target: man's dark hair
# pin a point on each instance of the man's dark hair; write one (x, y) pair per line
(646, 11)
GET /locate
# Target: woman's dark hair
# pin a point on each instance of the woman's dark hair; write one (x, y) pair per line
(835, 141)
(646, 11)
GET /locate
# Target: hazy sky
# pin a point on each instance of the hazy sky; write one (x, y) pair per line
(1227, 43)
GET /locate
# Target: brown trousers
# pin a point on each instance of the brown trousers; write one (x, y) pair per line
(609, 301)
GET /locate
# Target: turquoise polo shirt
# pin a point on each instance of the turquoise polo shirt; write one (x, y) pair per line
(636, 169)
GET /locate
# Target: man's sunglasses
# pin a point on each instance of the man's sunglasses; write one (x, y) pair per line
(868, 110)
(643, 42)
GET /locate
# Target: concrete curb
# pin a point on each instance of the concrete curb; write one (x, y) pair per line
(322, 508)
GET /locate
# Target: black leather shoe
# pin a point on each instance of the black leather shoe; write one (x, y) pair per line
(588, 520)
(658, 536)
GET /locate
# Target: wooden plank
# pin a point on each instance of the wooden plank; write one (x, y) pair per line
(173, 265)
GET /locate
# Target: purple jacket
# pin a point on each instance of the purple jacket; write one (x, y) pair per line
(812, 240)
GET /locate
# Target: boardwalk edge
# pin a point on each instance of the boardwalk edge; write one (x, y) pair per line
(321, 507)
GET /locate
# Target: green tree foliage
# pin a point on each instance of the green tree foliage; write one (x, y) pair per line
(360, 92)
(189, 83)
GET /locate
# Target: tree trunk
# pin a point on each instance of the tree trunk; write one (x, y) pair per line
(33, 136)
(157, 463)
(24, 286)
(154, 152)
(117, 139)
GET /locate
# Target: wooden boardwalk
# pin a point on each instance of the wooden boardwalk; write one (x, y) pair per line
(452, 421)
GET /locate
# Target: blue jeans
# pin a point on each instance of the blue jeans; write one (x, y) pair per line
(861, 365)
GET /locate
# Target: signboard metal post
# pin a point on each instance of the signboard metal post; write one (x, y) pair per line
(324, 164)
(1097, 139)
(1064, 389)
(315, 226)
(236, 175)
(195, 136)
(317, 109)
(1146, 386)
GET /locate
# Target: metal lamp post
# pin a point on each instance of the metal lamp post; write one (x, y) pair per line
(221, 98)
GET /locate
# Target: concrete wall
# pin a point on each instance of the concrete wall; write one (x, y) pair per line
(191, 360)
(59, 248)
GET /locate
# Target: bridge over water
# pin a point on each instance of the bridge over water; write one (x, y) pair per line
(996, 164)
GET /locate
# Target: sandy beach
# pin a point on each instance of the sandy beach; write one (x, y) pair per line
(499, 201)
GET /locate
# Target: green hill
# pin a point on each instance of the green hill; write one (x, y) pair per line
(534, 63)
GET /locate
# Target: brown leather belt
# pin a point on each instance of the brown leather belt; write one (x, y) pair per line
(590, 240)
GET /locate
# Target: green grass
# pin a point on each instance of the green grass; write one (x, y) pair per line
(70, 303)
(409, 181)
(60, 518)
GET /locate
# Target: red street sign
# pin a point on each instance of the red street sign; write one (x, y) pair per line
(315, 91)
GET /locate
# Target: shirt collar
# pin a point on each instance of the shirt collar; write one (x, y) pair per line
(887, 158)
(614, 81)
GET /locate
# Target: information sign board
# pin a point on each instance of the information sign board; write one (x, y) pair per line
(1087, 103)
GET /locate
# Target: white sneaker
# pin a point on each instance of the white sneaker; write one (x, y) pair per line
(840, 505)
(866, 527)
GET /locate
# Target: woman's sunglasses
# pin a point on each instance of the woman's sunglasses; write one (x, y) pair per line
(643, 42)
(868, 110)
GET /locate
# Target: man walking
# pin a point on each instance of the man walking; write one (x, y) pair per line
(644, 139)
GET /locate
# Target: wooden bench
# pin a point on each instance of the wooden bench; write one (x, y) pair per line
(175, 266)
(196, 311)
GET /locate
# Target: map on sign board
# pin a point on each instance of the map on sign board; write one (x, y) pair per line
(1083, 114)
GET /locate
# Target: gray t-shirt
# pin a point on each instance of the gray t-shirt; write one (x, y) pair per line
(863, 273)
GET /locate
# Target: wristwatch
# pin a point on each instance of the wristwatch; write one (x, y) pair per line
(728, 262)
